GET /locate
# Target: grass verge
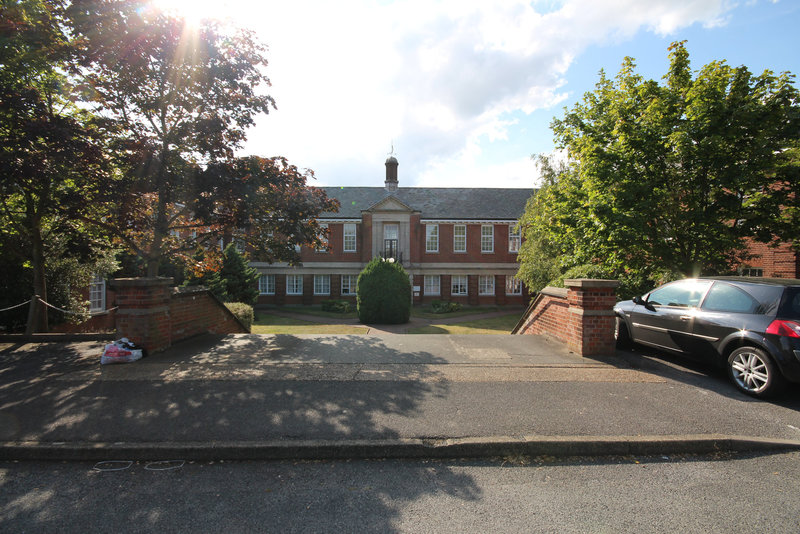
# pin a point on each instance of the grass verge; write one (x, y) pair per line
(272, 324)
(495, 325)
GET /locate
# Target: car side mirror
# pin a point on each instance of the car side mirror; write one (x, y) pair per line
(641, 302)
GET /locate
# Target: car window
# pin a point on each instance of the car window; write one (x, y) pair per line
(790, 308)
(725, 297)
(684, 294)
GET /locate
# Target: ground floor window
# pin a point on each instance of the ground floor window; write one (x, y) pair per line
(97, 294)
(513, 286)
(294, 284)
(432, 284)
(752, 271)
(322, 284)
(349, 284)
(266, 284)
(458, 284)
(486, 284)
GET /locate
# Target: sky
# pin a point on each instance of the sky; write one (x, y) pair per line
(462, 92)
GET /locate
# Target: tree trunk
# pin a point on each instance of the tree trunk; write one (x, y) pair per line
(39, 283)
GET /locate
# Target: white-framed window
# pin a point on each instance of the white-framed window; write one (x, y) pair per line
(432, 284)
(349, 284)
(349, 237)
(458, 284)
(323, 237)
(460, 238)
(514, 238)
(431, 238)
(513, 286)
(487, 238)
(322, 284)
(266, 284)
(486, 284)
(97, 293)
(294, 284)
(751, 271)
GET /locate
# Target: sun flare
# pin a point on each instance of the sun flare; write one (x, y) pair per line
(195, 11)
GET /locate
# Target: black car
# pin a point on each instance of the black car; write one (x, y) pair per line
(751, 325)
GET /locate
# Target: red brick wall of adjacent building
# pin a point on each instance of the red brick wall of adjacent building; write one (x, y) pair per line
(775, 262)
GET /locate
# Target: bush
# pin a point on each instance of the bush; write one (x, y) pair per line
(383, 293)
(236, 280)
(336, 306)
(580, 271)
(243, 312)
(443, 306)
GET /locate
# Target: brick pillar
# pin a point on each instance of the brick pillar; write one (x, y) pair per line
(445, 286)
(280, 289)
(336, 286)
(591, 316)
(308, 289)
(143, 314)
(500, 290)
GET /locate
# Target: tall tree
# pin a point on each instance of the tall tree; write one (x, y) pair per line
(672, 177)
(184, 96)
(51, 153)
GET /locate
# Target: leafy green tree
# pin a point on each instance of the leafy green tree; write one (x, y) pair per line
(236, 280)
(183, 96)
(668, 178)
(383, 293)
(51, 151)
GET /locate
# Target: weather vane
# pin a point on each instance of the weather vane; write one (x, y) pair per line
(392, 151)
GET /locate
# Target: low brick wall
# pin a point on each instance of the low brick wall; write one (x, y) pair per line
(580, 315)
(153, 314)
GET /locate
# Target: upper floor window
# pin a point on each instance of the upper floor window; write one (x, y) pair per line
(460, 238)
(432, 284)
(514, 238)
(487, 238)
(431, 238)
(323, 237)
(294, 284)
(349, 237)
(266, 284)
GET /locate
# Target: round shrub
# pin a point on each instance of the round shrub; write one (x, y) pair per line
(383, 293)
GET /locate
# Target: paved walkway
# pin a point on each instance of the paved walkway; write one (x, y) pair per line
(314, 396)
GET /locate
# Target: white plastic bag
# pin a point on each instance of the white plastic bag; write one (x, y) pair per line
(121, 351)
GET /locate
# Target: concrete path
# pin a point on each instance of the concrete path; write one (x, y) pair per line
(309, 396)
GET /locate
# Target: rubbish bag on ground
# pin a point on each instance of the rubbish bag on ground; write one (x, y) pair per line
(121, 351)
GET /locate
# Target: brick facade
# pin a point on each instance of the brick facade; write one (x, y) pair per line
(580, 315)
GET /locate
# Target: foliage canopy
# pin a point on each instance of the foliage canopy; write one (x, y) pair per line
(667, 179)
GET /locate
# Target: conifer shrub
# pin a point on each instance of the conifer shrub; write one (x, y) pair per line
(383, 293)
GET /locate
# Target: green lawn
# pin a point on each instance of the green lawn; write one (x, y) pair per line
(316, 311)
(273, 324)
(495, 325)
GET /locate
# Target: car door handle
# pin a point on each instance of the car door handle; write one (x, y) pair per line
(685, 317)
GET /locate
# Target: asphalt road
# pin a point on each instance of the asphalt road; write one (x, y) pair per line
(741, 494)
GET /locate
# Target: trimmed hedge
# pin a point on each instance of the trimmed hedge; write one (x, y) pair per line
(243, 312)
(336, 306)
(383, 293)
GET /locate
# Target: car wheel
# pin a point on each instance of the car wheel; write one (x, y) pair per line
(754, 373)
(621, 334)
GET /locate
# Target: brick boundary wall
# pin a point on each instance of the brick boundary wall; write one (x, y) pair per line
(581, 315)
(155, 315)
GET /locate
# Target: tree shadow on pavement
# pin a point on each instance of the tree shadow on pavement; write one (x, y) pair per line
(59, 393)
(695, 372)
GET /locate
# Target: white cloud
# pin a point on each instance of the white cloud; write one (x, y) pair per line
(439, 79)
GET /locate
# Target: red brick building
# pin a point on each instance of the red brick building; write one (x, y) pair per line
(457, 244)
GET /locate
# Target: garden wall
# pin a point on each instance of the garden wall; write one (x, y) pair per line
(580, 315)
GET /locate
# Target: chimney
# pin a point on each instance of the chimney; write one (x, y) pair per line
(391, 173)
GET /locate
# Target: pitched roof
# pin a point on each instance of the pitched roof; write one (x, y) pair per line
(434, 202)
